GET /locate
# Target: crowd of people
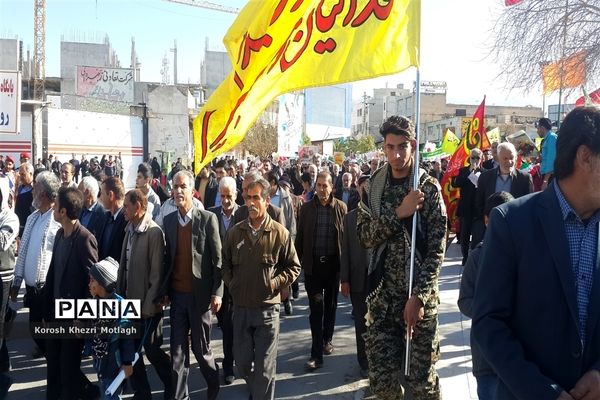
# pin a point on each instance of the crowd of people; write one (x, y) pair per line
(233, 240)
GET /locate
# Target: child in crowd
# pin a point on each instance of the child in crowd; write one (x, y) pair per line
(114, 352)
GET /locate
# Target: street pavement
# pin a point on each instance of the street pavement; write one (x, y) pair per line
(338, 379)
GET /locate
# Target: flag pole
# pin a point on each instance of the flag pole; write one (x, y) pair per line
(413, 240)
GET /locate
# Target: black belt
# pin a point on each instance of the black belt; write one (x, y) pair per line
(325, 259)
(33, 289)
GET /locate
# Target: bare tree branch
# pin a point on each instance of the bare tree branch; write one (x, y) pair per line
(531, 34)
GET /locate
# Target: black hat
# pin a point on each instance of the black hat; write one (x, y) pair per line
(363, 178)
(105, 273)
(285, 180)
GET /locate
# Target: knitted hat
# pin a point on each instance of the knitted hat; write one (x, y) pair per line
(105, 273)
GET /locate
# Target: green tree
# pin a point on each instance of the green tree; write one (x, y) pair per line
(360, 144)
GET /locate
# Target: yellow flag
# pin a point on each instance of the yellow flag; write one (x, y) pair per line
(450, 142)
(278, 46)
(494, 135)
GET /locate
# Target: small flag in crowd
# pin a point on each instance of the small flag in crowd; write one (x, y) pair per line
(588, 98)
(450, 142)
(277, 47)
(474, 138)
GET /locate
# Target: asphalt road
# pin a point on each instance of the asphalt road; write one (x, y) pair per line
(338, 379)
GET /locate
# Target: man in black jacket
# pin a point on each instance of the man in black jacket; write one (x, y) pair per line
(466, 180)
(75, 251)
(506, 177)
(319, 245)
(112, 194)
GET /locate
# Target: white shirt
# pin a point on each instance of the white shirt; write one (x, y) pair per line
(183, 221)
(34, 249)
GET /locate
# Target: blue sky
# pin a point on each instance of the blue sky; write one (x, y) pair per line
(454, 40)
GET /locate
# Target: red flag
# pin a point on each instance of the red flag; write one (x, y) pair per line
(509, 3)
(594, 97)
(474, 138)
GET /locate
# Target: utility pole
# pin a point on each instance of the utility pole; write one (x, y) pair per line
(39, 49)
(174, 51)
(365, 110)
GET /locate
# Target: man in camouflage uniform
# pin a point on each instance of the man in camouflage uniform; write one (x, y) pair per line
(384, 224)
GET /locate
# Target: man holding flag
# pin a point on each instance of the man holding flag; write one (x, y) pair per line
(384, 223)
(475, 137)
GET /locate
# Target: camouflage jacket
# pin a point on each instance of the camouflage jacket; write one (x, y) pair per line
(379, 227)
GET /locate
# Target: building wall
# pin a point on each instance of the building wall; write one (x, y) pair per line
(96, 134)
(168, 123)
(9, 54)
(328, 112)
(214, 70)
(73, 54)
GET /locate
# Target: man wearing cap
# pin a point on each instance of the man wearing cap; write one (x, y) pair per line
(193, 284)
(548, 150)
(112, 353)
(23, 158)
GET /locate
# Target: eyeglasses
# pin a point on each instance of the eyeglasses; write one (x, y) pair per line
(475, 158)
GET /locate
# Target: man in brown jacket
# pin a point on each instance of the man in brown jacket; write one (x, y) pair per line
(259, 259)
(141, 271)
(319, 244)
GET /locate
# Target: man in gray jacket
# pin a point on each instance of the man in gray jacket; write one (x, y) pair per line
(141, 272)
(193, 283)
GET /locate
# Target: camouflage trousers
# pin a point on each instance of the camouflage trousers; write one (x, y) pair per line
(385, 344)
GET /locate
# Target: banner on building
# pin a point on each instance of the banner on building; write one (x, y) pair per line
(279, 47)
(113, 84)
(10, 102)
(289, 124)
(474, 138)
